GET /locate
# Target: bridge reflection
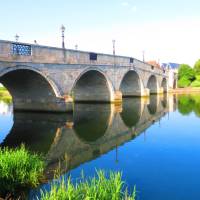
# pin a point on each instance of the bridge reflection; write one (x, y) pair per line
(92, 130)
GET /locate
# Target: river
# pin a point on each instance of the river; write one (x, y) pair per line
(154, 142)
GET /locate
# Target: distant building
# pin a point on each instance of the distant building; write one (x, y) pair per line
(154, 63)
(173, 66)
(173, 73)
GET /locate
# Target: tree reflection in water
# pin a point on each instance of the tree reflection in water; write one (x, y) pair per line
(188, 104)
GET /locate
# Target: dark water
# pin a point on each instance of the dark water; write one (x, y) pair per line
(155, 142)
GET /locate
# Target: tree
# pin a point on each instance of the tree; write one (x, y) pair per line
(183, 82)
(186, 72)
(197, 67)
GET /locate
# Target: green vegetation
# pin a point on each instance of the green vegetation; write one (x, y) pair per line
(5, 95)
(185, 75)
(102, 187)
(183, 82)
(19, 168)
(197, 67)
(188, 104)
(195, 83)
(189, 77)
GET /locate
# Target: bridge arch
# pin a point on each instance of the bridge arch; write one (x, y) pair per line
(164, 84)
(131, 84)
(152, 84)
(30, 89)
(92, 86)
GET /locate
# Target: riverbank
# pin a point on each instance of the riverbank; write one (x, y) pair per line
(5, 95)
(186, 90)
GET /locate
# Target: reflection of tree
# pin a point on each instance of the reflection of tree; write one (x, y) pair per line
(187, 104)
(196, 105)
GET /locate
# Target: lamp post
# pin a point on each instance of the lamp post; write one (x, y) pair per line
(16, 38)
(76, 47)
(63, 35)
(113, 41)
(143, 52)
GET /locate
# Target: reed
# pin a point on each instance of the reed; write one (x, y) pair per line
(103, 187)
(19, 168)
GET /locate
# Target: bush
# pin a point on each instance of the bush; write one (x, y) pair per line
(183, 82)
(197, 77)
(186, 72)
(5, 95)
(94, 188)
(197, 67)
(19, 168)
(195, 83)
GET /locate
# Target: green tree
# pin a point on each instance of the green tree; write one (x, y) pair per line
(186, 72)
(197, 67)
(183, 82)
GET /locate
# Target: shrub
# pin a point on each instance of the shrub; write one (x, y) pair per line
(186, 72)
(94, 188)
(5, 95)
(197, 67)
(19, 168)
(183, 82)
(195, 83)
(197, 77)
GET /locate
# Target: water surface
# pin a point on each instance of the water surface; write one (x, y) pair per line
(154, 142)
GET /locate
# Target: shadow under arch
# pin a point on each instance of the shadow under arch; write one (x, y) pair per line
(131, 84)
(152, 84)
(131, 111)
(91, 121)
(164, 84)
(30, 89)
(92, 86)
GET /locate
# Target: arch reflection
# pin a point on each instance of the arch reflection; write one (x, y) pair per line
(91, 121)
(164, 100)
(153, 103)
(36, 130)
(131, 111)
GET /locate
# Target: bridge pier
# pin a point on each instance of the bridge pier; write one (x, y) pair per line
(145, 92)
(117, 97)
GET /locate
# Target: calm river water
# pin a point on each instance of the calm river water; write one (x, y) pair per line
(154, 142)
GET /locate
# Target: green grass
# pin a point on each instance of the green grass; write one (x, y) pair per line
(5, 95)
(96, 188)
(19, 168)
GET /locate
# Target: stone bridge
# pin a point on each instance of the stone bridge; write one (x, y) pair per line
(43, 78)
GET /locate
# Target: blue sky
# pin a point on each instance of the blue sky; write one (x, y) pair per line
(165, 30)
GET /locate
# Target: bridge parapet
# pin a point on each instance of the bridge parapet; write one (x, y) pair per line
(24, 52)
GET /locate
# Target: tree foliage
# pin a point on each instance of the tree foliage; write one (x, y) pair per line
(197, 67)
(186, 72)
(183, 82)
